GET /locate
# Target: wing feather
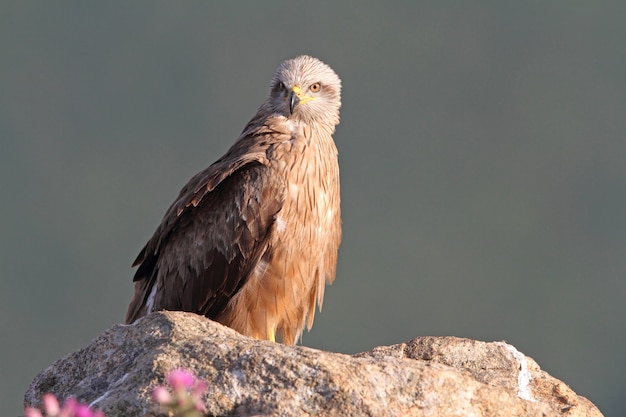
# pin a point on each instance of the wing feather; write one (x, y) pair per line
(213, 235)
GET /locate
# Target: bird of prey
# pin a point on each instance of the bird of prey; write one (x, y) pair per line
(252, 240)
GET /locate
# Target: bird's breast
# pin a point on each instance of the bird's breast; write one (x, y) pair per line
(308, 165)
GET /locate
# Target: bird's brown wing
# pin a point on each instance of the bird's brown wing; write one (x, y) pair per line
(212, 236)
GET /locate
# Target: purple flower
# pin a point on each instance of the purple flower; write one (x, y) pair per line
(50, 404)
(82, 410)
(71, 408)
(32, 412)
(179, 379)
(161, 395)
(183, 400)
(199, 388)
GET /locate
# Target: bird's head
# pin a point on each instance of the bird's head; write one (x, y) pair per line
(307, 90)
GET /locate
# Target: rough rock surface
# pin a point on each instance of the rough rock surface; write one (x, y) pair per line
(428, 376)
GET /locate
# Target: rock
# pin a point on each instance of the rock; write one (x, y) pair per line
(427, 376)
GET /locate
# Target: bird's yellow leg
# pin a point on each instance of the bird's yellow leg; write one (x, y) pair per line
(271, 335)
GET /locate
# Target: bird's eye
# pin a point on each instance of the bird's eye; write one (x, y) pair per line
(315, 87)
(280, 86)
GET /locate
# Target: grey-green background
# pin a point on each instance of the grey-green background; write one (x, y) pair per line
(482, 151)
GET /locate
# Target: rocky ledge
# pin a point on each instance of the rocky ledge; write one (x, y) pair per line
(427, 376)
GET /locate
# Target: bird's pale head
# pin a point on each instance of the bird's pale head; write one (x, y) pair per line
(307, 90)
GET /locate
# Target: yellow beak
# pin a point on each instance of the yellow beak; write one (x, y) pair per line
(296, 97)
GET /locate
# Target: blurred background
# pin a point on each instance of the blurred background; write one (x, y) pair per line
(482, 152)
